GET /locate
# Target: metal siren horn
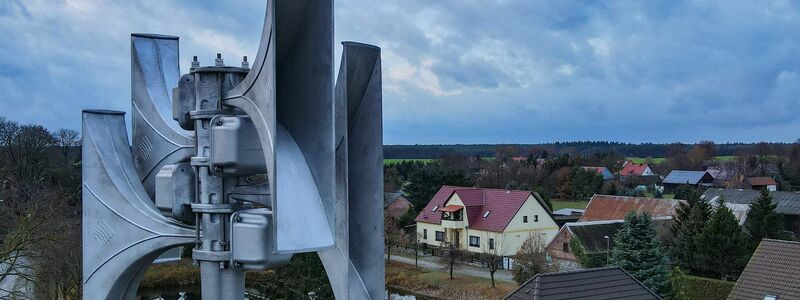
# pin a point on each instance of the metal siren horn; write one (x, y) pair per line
(288, 95)
(359, 177)
(123, 232)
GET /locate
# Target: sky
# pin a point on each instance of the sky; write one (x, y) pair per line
(456, 71)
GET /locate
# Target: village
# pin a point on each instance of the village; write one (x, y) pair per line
(710, 231)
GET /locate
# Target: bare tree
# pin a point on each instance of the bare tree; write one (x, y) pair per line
(450, 252)
(67, 140)
(15, 257)
(531, 259)
(492, 258)
(393, 235)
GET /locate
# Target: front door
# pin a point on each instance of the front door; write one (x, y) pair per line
(457, 238)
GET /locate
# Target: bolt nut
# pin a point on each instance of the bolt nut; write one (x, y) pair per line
(219, 122)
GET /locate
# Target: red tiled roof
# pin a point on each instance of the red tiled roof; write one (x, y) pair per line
(605, 207)
(759, 181)
(598, 170)
(632, 169)
(502, 204)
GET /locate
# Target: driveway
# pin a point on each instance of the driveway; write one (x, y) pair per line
(430, 263)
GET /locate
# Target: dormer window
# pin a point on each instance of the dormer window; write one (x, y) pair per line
(486, 213)
(435, 208)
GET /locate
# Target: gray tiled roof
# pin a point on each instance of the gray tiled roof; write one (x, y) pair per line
(773, 270)
(685, 177)
(788, 203)
(388, 198)
(600, 284)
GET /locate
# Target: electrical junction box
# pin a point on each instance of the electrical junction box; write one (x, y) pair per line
(252, 241)
(236, 147)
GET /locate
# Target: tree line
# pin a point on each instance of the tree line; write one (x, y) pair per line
(571, 148)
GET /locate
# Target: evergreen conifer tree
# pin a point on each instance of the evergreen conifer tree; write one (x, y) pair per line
(723, 249)
(763, 221)
(638, 251)
(691, 217)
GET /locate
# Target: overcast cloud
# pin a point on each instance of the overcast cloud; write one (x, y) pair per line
(457, 71)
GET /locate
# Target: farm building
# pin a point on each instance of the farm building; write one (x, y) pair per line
(607, 207)
(677, 178)
(758, 183)
(395, 205)
(788, 204)
(596, 238)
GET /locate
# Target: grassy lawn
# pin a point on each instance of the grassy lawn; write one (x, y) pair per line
(437, 284)
(390, 161)
(558, 204)
(658, 160)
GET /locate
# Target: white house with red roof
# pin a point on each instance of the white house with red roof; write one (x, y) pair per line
(630, 168)
(485, 220)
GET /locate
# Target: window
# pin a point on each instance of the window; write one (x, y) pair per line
(474, 241)
(435, 208)
(440, 236)
(524, 219)
(565, 247)
(424, 234)
(491, 244)
(770, 297)
(486, 214)
(536, 218)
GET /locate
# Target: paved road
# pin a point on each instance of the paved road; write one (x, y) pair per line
(428, 263)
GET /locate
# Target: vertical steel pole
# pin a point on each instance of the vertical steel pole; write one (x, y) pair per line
(218, 279)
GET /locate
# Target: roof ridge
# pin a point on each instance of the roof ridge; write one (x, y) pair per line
(580, 271)
(781, 241)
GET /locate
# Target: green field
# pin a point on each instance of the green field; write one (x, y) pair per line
(658, 160)
(558, 204)
(390, 161)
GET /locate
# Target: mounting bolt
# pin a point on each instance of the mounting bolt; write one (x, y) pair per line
(218, 62)
(195, 63)
(218, 169)
(238, 219)
(245, 64)
(221, 265)
(219, 122)
(238, 265)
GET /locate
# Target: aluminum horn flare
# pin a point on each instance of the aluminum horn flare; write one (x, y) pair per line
(122, 231)
(291, 90)
(157, 139)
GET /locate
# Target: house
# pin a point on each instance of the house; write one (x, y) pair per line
(758, 183)
(773, 272)
(607, 207)
(677, 178)
(481, 220)
(787, 204)
(630, 168)
(603, 171)
(395, 205)
(596, 238)
(597, 284)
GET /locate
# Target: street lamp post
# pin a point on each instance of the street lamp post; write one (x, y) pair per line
(608, 247)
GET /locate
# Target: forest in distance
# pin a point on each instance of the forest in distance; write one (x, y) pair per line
(579, 148)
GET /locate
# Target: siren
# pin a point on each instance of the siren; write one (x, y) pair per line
(317, 144)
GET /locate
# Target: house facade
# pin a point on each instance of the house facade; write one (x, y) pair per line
(482, 220)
